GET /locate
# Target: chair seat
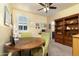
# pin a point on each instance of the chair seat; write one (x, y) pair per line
(37, 51)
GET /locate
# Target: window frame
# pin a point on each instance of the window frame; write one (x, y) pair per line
(22, 24)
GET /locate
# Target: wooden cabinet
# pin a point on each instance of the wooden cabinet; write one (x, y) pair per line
(65, 28)
(59, 38)
(67, 40)
(75, 48)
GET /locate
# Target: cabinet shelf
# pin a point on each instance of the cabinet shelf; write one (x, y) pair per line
(71, 30)
(71, 24)
(58, 30)
(58, 25)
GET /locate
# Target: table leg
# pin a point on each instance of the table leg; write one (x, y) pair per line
(30, 52)
(19, 53)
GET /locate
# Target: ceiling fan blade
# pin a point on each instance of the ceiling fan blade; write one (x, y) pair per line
(52, 7)
(40, 9)
(50, 4)
(42, 4)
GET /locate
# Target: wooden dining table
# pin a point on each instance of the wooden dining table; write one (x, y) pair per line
(26, 43)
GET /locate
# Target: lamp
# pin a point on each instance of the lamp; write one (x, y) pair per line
(11, 37)
(15, 33)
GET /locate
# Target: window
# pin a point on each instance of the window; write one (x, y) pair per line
(22, 22)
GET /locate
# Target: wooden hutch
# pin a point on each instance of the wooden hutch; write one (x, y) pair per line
(65, 28)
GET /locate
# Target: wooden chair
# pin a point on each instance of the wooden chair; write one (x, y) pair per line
(26, 34)
(10, 54)
(43, 50)
(6, 53)
(46, 37)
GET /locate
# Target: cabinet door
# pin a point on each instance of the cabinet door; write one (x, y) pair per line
(75, 46)
(59, 38)
(68, 40)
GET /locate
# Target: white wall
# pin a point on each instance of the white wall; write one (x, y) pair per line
(32, 19)
(66, 12)
(4, 30)
(53, 26)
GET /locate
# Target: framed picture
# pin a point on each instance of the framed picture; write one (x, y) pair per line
(7, 17)
(43, 25)
(37, 26)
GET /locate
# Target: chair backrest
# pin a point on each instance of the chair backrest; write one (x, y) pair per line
(46, 38)
(26, 34)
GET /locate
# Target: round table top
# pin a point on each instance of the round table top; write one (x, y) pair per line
(27, 43)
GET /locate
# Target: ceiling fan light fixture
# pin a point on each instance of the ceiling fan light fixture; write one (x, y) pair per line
(47, 8)
(44, 9)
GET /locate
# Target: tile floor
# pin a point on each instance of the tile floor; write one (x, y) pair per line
(57, 49)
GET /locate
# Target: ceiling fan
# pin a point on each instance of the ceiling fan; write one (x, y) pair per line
(46, 7)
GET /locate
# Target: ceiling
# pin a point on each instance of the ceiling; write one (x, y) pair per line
(33, 7)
